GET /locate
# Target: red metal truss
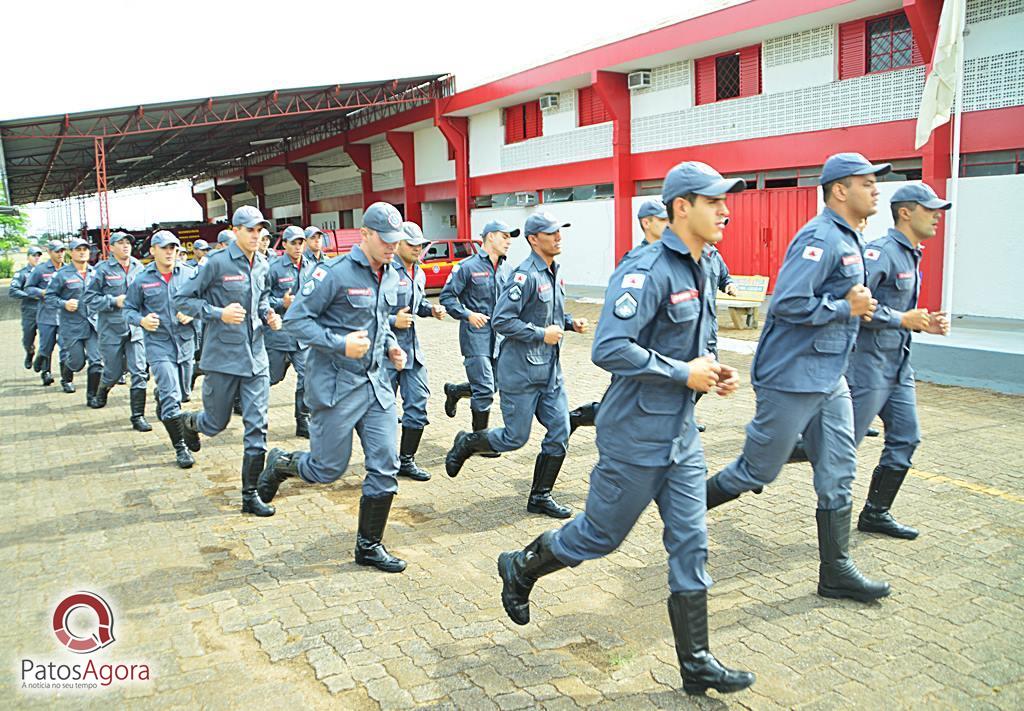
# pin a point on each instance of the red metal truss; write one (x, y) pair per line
(101, 192)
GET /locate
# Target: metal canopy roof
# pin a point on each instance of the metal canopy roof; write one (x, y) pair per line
(55, 157)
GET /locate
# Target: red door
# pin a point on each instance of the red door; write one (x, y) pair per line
(761, 225)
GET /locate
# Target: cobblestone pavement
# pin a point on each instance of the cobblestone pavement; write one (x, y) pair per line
(240, 612)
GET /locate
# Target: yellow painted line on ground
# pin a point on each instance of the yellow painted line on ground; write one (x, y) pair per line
(969, 485)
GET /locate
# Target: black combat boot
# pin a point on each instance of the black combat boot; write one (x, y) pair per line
(46, 377)
(29, 356)
(137, 398)
(252, 466)
(281, 465)
(301, 415)
(67, 377)
(190, 428)
(373, 517)
(716, 496)
(465, 446)
(480, 420)
(407, 455)
(838, 577)
(40, 363)
(100, 399)
(453, 392)
(545, 472)
(519, 571)
(583, 416)
(875, 518)
(92, 387)
(872, 432)
(688, 612)
(181, 454)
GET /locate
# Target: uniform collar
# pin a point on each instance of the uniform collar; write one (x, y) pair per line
(672, 241)
(540, 265)
(902, 239)
(399, 265)
(486, 258)
(836, 218)
(359, 256)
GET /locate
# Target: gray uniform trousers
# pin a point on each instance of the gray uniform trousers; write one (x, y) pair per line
(219, 390)
(897, 406)
(47, 339)
(483, 382)
(279, 362)
(412, 380)
(330, 440)
(75, 353)
(121, 356)
(619, 493)
(551, 407)
(172, 382)
(826, 421)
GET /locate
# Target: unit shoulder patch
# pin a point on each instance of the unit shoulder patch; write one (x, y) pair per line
(633, 281)
(515, 293)
(813, 253)
(872, 254)
(519, 278)
(308, 287)
(625, 306)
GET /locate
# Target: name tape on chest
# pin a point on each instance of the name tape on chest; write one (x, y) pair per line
(233, 277)
(685, 295)
(813, 253)
(403, 282)
(849, 259)
(285, 280)
(905, 275)
(541, 288)
(480, 274)
(633, 281)
(364, 291)
(114, 278)
(872, 254)
(152, 284)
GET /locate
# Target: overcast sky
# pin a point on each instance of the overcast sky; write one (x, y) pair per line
(75, 56)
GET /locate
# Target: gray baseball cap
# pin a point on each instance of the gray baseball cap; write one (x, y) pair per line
(696, 178)
(652, 208)
(384, 219)
(923, 194)
(292, 233)
(164, 238)
(413, 234)
(249, 216)
(498, 226)
(77, 242)
(842, 165)
(118, 236)
(55, 245)
(543, 222)
(225, 237)
(33, 249)
(201, 245)
(312, 230)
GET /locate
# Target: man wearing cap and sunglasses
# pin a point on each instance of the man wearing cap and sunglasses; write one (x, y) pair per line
(881, 378)
(469, 295)
(653, 219)
(47, 318)
(287, 275)
(169, 334)
(652, 338)
(412, 379)
(231, 295)
(799, 368)
(29, 304)
(343, 315)
(121, 343)
(79, 342)
(530, 315)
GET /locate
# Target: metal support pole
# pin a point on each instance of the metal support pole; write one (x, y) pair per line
(101, 193)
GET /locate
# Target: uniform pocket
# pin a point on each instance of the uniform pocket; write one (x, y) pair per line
(833, 343)
(905, 284)
(661, 400)
(683, 311)
(852, 270)
(545, 295)
(888, 340)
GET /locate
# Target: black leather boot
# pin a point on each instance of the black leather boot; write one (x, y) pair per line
(252, 466)
(407, 455)
(373, 518)
(875, 518)
(191, 430)
(583, 416)
(92, 387)
(480, 419)
(46, 377)
(301, 415)
(39, 363)
(281, 465)
(137, 398)
(465, 446)
(29, 356)
(181, 454)
(688, 613)
(838, 577)
(520, 570)
(236, 407)
(545, 472)
(99, 401)
(716, 496)
(871, 432)
(453, 392)
(67, 377)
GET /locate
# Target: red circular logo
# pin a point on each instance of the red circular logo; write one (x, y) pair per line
(100, 637)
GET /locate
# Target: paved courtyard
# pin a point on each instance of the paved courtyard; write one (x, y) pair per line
(239, 612)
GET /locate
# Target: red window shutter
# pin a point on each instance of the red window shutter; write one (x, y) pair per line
(534, 123)
(917, 58)
(514, 124)
(750, 71)
(705, 80)
(852, 50)
(591, 108)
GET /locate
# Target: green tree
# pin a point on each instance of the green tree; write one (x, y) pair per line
(13, 228)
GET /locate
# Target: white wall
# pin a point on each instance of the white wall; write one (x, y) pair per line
(437, 219)
(431, 150)
(486, 136)
(558, 122)
(989, 254)
(798, 75)
(652, 103)
(587, 247)
(326, 220)
(996, 36)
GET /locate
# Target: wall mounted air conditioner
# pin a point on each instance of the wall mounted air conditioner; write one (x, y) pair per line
(640, 79)
(548, 102)
(526, 199)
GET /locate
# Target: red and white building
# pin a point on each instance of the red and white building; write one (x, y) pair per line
(765, 90)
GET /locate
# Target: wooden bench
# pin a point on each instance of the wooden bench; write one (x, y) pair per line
(750, 294)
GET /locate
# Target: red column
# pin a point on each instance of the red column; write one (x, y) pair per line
(360, 155)
(935, 170)
(456, 132)
(202, 200)
(614, 92)
(402, 144)
(255, 185)
(101, 192)
(300, 173)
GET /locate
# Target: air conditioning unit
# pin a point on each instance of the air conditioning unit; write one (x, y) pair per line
(548, 102)
(640, 79)
(526, 199)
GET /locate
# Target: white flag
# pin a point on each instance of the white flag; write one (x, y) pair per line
(937, 100)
